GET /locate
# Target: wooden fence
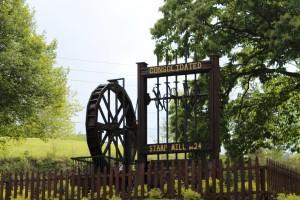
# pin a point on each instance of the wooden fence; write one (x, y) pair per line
(211, 179)
(282, 179)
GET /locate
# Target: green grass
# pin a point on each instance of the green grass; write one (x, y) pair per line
(36, 148)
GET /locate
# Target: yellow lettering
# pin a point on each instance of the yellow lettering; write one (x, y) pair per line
(186, 67)
(173, 147)
(199, 65)
(151, 70)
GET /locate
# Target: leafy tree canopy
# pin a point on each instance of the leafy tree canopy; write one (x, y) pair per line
(34, 98)
(260, 41)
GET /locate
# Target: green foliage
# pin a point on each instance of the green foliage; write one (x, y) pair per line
(33, 164)
(189, 194)
(288, 197)
(35, 99)
(260, 87)
(155, 193)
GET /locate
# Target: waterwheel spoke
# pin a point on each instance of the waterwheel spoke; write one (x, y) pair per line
(107, 146)
(117, 113)
(123, 116)
(121, 140)
(103, 115)
(108, 107)
(117, 148)
(103, 140)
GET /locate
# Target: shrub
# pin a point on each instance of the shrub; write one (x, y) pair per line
(288, 197)
(189, 194)
(155, 193)
(115, 198)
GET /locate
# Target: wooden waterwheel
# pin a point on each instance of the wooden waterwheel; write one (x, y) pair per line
(111, 125)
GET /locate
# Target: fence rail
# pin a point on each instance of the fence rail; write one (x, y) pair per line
(212, 179)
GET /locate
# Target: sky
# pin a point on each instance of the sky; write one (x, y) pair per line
(98, 40)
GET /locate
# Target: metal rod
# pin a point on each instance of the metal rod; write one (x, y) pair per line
(194, 109)
(176, 108)
(108, 109)
(116, 113)
(157, 108)
(167, 105)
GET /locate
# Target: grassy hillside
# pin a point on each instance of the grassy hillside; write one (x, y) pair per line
(54, 148)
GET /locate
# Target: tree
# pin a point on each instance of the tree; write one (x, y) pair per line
(260, 41)
(34, 95)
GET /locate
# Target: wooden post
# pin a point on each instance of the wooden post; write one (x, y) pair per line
(215, 106)
(142, 112)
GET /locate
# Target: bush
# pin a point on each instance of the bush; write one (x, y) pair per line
(115, 198)
(155, 193)
(288, 197)
(189, 194)
(34, 164)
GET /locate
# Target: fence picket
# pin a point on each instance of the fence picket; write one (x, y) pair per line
(49, 181)
(104, 182)
(179, 174)
(98, 183)
(43, 185)
(228, 181)
(242, 178)
(161, 179)
(220, 170)
(206, 171)
(142, 174)
(186, 174)
(78, 184)
(67, 180)
(149, 176)
(85, 184)
(55, 184)
(156, 174)
(250, 178)
(72, 184)
(26, 185)
(37, 188)
(15, 180)
(110, 182)
(136, 181)
(21, 183)
(257, 177)
(123, 188)
(32, 186)
(117, 180)
(1, 186)
(170, 185)
(213, 177)
(193, 181)
(8, 187)
(61, 186)
(235, 181)
(199, 177)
